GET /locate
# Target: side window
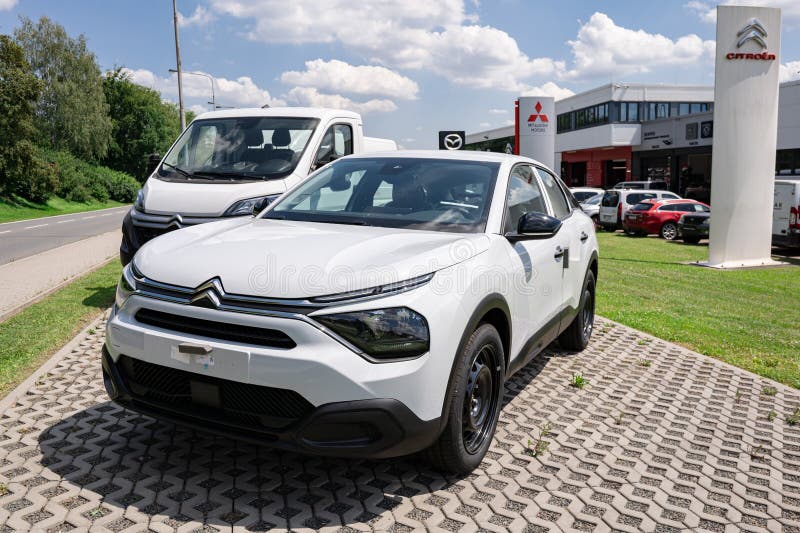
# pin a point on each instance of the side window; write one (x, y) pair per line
(524, 196)
(670, 196)
(561, 209)
(668, 207)
(686, 208)
(701, 208)
(337, 142)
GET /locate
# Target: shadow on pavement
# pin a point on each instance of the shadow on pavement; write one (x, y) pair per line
(155, 467)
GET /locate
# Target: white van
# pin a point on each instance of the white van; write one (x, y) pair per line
(616, 202)
(235, 162)
(786, 213)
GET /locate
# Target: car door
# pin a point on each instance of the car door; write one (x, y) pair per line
(574, 233)
(535, 287)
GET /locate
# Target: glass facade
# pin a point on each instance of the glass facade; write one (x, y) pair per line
(503, 145)
(607, 112)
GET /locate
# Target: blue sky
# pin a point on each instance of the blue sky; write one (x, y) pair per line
(411, 67)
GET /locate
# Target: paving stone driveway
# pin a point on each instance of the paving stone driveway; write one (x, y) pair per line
(661, 439)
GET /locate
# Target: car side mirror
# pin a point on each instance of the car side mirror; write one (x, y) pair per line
(535, 226)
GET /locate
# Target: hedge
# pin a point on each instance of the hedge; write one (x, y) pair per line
(78, 181)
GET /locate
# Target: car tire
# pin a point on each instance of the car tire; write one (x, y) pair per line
(669, 231)
(474, 399)
(691, 240)
(576, 336)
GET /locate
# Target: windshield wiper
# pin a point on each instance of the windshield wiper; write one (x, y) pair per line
(231, 175)
(346, 222)
(178, 169)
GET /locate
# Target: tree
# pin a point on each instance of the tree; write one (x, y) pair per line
(20, 171)
(141, 123)
(72, 113)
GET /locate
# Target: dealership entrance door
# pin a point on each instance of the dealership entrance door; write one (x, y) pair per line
(614, 171)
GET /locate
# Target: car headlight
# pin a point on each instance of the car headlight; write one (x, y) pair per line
(392, 333)
(139, 203)
(126, 285)
(249, 206)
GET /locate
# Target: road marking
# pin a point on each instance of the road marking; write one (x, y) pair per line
(6, 231)
(36, 226)
(87, 218)
(68, 220)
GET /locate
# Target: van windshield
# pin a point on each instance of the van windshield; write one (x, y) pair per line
(240, 148)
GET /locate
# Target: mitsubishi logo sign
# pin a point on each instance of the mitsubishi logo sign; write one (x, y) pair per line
(752, 32)
(538, 115)
(452, 140)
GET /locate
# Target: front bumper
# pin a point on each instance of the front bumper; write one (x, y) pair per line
(373, 428)
(693, 231)
(790, 240)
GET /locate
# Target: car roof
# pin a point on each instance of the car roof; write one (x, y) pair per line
(462, 155)
(312, 112)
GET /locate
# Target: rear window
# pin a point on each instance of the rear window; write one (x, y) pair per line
(610, 199)
(637, 197)
(643, 206)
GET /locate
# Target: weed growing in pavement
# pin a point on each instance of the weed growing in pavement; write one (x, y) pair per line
(91, 331)
(738, 395)
(644, 362)
(771, 415)
(756, 451)
(618, 420)
(768, 390)
(540, 447)
(578, 381)
(794, 418)
(97, 512)
(3, 489)
(643, 342)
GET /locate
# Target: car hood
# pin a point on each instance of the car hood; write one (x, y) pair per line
(285, 259)
(203, 198)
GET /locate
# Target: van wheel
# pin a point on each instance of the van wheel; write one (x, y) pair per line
(669, 231)
(576, 336)
(475, 399)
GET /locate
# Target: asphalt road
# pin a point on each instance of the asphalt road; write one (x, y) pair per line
(29, 237)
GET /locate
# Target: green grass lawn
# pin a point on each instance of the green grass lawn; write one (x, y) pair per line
(15, 209)
(749, 318)
(29, 338)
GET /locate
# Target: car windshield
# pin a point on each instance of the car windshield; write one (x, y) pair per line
(414, 193)
(582, 196)
(241, 148)
(593, 200)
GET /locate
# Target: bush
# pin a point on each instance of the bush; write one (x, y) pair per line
(78, 181)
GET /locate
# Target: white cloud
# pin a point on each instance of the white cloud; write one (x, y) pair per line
(790, 9)
(309, 96)
(201, 16)
(439, 36)
(7, 4)
(548, 89)
(342, 77)
(498, 111)
(241, 92)
(790, 71)
(603, 49)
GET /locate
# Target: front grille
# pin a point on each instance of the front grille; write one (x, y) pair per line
(144, 235)
(238, 403)
(694, 220)
(215, 330)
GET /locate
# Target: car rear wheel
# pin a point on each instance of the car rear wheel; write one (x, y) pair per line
(669, 231)
(475, 399)
(576, 336)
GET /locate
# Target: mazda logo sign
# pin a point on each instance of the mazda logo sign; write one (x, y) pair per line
(452, 140)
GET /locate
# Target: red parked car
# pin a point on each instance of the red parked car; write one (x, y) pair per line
(660, 217)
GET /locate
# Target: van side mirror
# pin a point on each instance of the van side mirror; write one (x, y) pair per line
(153, 160)
(535, 226)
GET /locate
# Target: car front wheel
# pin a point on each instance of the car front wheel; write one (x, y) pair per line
(669, 231)
(576, 336)
(475, 399)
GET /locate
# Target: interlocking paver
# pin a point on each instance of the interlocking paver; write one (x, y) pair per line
(661, 439)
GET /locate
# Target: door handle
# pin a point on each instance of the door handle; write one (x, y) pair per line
(562, 253)
(584, 236)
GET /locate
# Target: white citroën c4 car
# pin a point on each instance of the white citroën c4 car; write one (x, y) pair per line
(374, 310)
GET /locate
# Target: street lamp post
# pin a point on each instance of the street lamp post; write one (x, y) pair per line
(213, 101)
(178, 64)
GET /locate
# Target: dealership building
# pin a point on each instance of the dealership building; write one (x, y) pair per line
(631, 131)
